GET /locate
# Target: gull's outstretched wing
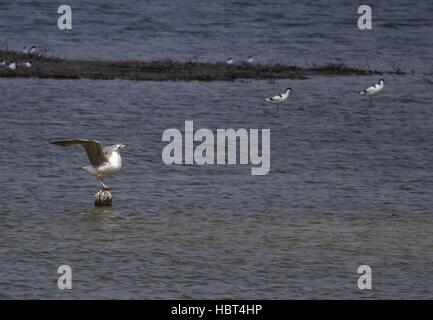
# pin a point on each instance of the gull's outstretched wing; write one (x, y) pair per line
(94, 150)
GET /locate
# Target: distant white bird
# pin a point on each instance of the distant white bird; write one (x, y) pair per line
(230, 61)
(33, 50)
(12, 65)
(104, 161)
(3, 63)
(250, 60)
(281, 97)
(25, 50)
(373, 90)
(27, 64)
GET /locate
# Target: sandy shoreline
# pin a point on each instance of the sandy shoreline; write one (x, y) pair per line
(165, 69)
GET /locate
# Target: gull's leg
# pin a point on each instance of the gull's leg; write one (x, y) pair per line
(103, 185)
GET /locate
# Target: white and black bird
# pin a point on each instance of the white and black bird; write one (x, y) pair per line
(250, 60)
(281, 97)
(26, 64)
(373, 90)
(3, 63)
(12, 65)
(104, 161)
(33, 50)
(25, 50)
(230, 61)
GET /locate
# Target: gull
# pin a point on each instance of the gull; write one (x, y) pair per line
(104, 161)
(33, 50)
(3, 63)
(373, 90)
(250, 59)
(230, 61)
(12, 66)
(25, 50)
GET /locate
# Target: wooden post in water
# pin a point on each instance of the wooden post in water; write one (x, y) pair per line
(103, 198)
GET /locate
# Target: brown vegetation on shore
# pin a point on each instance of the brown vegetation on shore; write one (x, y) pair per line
(164, 69)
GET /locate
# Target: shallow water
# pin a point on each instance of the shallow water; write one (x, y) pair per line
(298, 32)
(348, 184)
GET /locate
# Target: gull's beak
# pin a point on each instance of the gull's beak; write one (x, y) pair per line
(122, 146)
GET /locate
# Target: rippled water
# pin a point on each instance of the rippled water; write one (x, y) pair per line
(300, 32)
(348, 184)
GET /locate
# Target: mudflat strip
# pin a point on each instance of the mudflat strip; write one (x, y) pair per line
(165, 69)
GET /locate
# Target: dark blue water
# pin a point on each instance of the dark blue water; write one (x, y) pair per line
(299, 32)
(348, 184)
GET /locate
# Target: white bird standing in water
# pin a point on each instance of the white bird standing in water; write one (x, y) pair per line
(104, 161)
(250, 60)
(230, 61)
(281, 97)
(373, 90)
(12, 65)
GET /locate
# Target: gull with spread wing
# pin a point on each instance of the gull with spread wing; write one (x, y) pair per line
(104, 161)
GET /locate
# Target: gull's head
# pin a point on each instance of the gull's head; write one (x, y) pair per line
(289, 90)
(119, 146)
(381, 81)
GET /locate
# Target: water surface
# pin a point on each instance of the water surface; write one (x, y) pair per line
(348, 184)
